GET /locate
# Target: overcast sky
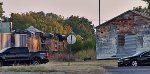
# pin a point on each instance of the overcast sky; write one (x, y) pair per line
(66, 8)
(112, 8)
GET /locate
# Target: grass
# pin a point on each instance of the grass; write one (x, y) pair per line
(87, 53)
(90, 67)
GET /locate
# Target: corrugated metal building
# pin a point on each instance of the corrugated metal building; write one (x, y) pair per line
(34, 43)
(5, 34)
(25, 38)
(20, 40)
(123, 35)
(37, 40)
(5, 40)
(5, 27)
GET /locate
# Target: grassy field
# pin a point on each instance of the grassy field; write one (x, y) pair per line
(90, 67)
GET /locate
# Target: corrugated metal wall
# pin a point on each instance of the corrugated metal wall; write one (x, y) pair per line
(133, 35)
(123, 45)
(129, 47)
(20, 40)
(107, 47)
(34, 43)
(5, 39)
(5, 35)
(144, 41)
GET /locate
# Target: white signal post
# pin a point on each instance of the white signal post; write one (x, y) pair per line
(71, 39)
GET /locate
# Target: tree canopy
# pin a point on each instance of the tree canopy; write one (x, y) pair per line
(53, 23)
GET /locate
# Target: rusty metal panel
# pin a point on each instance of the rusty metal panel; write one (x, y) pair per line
(144, 41)
(106, 47)
(136, 37)
(129, 47)
(34, 43)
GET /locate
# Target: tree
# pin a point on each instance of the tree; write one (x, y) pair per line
(78, 38)
(76, 47)
(90, 43)
(80, 25)
(67, 29)
(54, 23)
(44, 22)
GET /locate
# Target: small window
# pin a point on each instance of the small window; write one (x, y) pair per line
(121, 40)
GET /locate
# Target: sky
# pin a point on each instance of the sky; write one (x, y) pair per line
(112, 8)
(83, 8)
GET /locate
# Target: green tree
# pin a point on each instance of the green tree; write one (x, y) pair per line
(90, 43)
(80, 25)
(83, 28)
(54, 23)
(78, 38)
(46, 22)
(78, 46)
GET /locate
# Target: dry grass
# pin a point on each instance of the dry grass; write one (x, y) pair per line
(91, 67)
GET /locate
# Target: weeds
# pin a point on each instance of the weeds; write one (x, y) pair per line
(91, 67)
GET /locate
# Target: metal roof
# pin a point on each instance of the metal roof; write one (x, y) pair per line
(143, 14)
(33, 29)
